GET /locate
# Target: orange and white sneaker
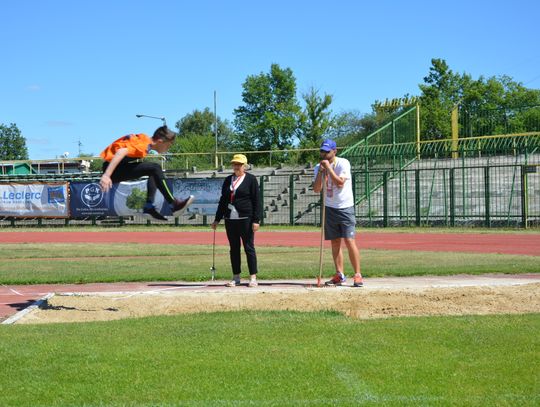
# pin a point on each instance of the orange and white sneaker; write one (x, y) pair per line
(338, 279)
(357, 281)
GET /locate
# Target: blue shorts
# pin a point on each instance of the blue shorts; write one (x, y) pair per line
(339, 223)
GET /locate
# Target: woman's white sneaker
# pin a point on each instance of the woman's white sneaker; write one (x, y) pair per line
(233, 283)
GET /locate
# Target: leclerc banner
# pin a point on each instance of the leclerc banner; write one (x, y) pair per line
(123, 199)
(34, 200)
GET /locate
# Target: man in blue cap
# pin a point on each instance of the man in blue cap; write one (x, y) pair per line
(334, 174)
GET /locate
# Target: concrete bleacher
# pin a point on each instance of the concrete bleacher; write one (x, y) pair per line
(278, 197)
(277, 194)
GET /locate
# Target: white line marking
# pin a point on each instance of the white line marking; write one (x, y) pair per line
(12, 290)
(156, 291)
(25, 311)
(15, 291)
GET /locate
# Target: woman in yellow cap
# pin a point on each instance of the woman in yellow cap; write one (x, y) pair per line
(240, 206)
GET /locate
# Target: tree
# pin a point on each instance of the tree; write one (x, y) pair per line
(496, 105)
(351, 126)
(317, 118)
(499, 105)
(201, 123)
(315, 122)
(12, 143)
(441, 91)
(270, 116)
(136, 200)
(196, 134)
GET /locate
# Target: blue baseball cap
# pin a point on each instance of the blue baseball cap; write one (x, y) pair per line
(328, 145)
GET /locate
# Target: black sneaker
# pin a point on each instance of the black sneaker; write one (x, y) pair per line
(153, 214)
(180, 205)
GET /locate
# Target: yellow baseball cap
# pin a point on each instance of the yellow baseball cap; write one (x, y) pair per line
(239, 158)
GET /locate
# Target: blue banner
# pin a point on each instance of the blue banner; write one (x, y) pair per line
(123, 199)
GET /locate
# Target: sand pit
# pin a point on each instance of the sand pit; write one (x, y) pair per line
(356, 303)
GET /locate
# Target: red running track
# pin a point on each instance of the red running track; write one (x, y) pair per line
(507, 243)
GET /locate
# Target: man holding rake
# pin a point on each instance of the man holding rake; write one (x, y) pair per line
(334, 174)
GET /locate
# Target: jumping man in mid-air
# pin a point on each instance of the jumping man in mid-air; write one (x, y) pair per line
(122, 163)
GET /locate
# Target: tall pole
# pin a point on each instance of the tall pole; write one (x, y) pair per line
(417, 130)
(455, 131)
(79, 143)
(215, 133)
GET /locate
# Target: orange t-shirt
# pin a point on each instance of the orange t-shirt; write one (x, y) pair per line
(138, 146)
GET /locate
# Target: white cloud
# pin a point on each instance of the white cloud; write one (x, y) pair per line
(33, 88)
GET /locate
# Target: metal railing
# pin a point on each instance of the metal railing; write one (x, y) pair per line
(484, 122)
(501, 191)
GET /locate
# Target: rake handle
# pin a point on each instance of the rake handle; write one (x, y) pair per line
(213, 269)
(323, 221)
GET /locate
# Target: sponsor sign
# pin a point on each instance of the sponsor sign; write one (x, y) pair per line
(207, 192)
(34, 200)
(123, 199)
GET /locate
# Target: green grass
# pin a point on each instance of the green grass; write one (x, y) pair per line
(83, 263)
(273, 359)
(262, 358)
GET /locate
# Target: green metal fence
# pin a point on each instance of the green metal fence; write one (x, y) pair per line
(390, 147)
(372, 162)
(484, 122)
(490, 196)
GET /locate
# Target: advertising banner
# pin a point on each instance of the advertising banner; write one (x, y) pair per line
(207, 192)
(34, 200)
(123, 199)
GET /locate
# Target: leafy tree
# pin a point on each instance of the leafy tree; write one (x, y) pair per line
(499, 105)
(270, 117)
(203, 145)
(516, 95)
(317, 118)
(197, 135)
(496, 105)
(316, 122)
(441, 91)
(351, 126)
(201, 123)
(136, 199)
(12, 143)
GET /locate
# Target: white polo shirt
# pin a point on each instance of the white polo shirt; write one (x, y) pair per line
(339, 197)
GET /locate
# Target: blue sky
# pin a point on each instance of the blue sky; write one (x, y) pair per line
(74, 70)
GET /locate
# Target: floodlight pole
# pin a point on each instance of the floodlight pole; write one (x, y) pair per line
(215, 133)
(152, 117)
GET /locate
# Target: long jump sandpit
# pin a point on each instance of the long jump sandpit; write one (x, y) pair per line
(379, 298)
